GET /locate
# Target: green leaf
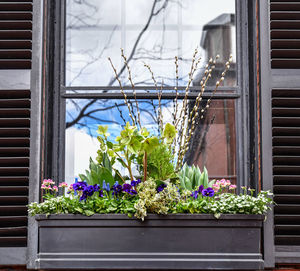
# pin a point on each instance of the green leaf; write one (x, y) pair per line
(106, 175)
(134, 145)
(217, 216)
(182, 183)
(122, 162)
(82, 177)
(102, 130)
(169, 133)
(106, 162)
(88, 212)
(150, 144)
(205, 178)
(188, 183)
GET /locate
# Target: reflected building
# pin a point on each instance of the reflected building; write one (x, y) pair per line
(214, 141)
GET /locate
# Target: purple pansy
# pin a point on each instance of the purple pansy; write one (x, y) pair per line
(135, 183)
(79, 186)
(117, 189)
(161, 188)
(208, 192)
(195, 194)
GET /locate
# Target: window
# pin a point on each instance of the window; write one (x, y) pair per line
(152, 32)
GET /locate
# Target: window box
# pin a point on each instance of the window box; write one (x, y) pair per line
(177, 241)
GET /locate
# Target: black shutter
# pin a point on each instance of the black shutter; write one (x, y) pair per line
(285, 34)
(285, 61)
(15, 53)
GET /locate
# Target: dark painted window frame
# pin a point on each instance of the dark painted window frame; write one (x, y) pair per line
(53, 163)
(47, 132)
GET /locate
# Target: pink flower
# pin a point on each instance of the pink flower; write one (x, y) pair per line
(232, 187)
(48, 182)
(45, 186)
(63, 184)
(55, 188)
(223, 183)
(228, 183)
(70, 189)
(216, 187)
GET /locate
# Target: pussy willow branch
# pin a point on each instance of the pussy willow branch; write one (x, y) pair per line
(190, 125)
(184, 110)
(176, 90)
(133, 87)
(120, 112)
(161, 122)
(122, 90)
(227, 67)
(175, 105)
(156, 87)
(188, 86)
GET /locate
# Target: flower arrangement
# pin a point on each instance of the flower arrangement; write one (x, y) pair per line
(165, 185)
(102, 191)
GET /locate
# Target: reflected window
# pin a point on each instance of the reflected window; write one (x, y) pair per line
(149, 31)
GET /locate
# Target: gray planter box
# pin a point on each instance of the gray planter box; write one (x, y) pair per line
(175, 242)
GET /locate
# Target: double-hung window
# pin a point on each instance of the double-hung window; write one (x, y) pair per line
(151, 32)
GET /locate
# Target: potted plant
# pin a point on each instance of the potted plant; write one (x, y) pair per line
(172, 217)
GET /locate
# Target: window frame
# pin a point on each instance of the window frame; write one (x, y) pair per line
(56, 148)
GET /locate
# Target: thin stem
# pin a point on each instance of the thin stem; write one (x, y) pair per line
(133, 87)
(122, 90)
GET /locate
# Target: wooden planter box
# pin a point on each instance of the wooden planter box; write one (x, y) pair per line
(175, 242)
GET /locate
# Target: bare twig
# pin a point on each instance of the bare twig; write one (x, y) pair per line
(133, 88)
(122, 91)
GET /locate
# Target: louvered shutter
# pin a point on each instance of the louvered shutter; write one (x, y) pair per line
(285, 59)
(15, 59)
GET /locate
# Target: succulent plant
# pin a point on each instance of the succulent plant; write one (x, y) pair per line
(191, 178)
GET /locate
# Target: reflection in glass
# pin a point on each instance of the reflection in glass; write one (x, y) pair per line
(213, 144)
(151, 31)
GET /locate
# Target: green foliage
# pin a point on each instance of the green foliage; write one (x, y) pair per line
(72, 205)
(97, 173)
(153, 202)
(159, 163)
(131, 143)
(226, 203)
(191, 178)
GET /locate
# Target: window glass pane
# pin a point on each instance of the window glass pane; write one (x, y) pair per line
(149, 31)
(213, 144)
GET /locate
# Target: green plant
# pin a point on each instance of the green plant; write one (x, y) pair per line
(159, 163)
(98, 173)
(191, 178)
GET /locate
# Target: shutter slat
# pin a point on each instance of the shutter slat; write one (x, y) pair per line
(14, 152)
(13, 221)
(285, 15)
(15, 44)
(16, 15)
(278, 160)
(14, 181)
(282, 53)
(13, 231)
(13, 113)
(13, 211)
(286, 150)
(14, 132)
(286, 121)
(15, 54)
(13, 200)
(13, 241)
(287, 240)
